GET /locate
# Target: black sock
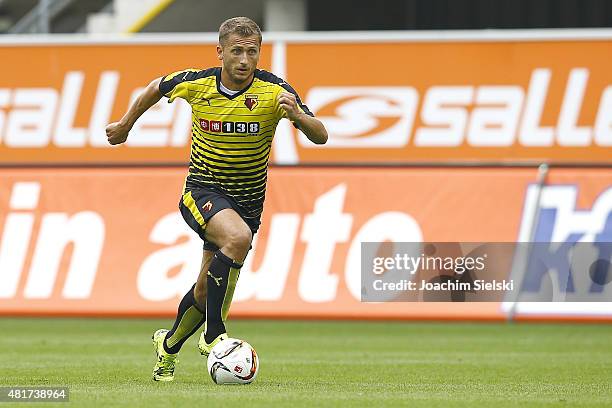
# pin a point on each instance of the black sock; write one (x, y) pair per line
(221, 281)
(188, 320)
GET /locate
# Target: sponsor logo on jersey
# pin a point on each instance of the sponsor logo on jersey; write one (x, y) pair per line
(204, 124)
(215, 126)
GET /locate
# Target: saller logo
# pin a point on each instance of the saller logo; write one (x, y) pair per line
(208, 206)
(250, 101)
(364, 116)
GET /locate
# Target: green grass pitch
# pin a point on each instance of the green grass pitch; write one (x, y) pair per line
(108, 362)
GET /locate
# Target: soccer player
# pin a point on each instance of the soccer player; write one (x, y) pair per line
(235, 111)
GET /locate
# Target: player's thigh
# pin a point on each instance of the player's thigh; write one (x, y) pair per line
(227, 228)
(200, 288)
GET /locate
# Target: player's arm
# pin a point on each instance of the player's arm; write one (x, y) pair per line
(309, 125)
(117, 132)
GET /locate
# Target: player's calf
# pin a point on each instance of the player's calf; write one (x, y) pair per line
(189, 319)
(221, 281)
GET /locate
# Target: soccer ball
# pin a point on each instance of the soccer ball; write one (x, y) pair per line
(233, 361)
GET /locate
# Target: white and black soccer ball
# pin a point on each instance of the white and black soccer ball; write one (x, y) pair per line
(233, 361)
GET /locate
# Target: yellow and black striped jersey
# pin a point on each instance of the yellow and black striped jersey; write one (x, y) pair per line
(231, 135)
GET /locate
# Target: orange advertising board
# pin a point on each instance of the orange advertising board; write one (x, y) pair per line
(400, 99)
(458, 101)
(112, 242)
(56, 110)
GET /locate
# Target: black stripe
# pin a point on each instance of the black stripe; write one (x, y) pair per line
(259, 108)
(245, 194)
(213, 106)
(240, 191)
(237, 163)
(255, 204)
(257, 86)
(206, 149)
(251, 143)
(238, 142)
(237, 174)
(232, 114)
(229, 169)
(251, 202)
(272, 126)
(184, 76)
(210, 150)
(269, 77)
(242, 182)
(265, 145)
(202, 85)
(221, 176)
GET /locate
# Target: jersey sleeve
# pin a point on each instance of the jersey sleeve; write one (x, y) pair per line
(285, 87)
(176, 85)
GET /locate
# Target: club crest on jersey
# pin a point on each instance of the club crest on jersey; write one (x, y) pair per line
(250, 101)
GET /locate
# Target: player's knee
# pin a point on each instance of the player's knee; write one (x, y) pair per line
(238, 243)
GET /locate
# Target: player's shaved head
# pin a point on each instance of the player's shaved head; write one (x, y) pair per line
(242, 26)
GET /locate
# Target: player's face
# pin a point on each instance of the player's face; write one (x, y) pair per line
(240, 56)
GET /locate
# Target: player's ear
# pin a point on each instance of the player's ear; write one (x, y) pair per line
(219, 52)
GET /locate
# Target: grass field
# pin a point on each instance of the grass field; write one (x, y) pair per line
(108, 362)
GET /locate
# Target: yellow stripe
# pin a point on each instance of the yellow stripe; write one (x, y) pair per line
(147, 18)
(193, 208)
(229, 292)
(190, 319)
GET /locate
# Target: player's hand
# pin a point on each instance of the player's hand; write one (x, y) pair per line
(288, 102)
(116, 133)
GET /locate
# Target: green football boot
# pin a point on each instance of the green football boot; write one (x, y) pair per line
(164, 366)
(205, 348)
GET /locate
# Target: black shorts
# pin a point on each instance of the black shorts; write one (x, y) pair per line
(199, 204)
